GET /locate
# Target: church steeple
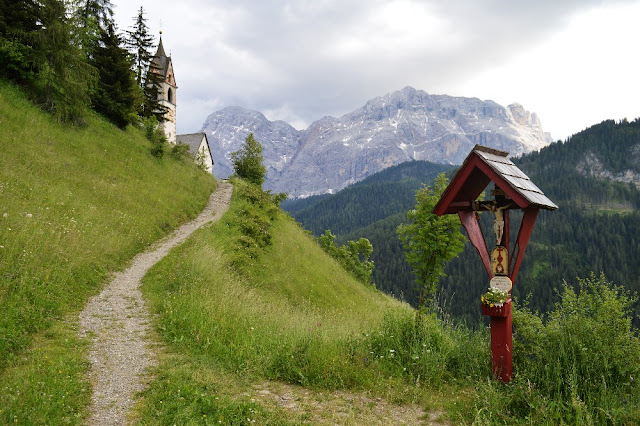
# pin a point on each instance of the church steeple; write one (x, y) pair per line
(162, 67)
(160, 52)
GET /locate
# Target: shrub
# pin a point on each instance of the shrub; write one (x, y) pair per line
(585, 358)
(180, 151)
(154, 134)
(353, 256)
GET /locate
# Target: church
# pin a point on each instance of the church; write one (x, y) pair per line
(162, 66)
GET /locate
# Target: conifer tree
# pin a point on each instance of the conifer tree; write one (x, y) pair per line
(92, 16)
(152, 88)
(140, 43)
(18, 40)
(115, 93)
(65, 76)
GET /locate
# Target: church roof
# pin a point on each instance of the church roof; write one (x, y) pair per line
(193, 140)
(160, 51)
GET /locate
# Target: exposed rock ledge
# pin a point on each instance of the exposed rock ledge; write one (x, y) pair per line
(591, 165)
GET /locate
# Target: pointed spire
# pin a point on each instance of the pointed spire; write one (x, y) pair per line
(160, 52)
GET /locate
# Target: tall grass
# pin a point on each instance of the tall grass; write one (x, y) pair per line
(580, 366)
(586, 358)
(75, 205)
(253, 297)
(289, 312)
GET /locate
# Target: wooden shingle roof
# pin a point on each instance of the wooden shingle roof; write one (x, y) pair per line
(482, 166)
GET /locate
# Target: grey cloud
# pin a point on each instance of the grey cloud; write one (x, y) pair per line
(327, 57)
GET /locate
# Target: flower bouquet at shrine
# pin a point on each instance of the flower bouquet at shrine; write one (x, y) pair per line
(496, 302)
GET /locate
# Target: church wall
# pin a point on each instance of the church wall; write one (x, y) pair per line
(169, 125)
(205, 155)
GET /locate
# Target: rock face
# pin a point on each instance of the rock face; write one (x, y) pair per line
(590, 165)
(405, 125)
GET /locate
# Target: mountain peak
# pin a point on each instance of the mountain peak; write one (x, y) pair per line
(404, 125)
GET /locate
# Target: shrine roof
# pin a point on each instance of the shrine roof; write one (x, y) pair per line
(482, 166)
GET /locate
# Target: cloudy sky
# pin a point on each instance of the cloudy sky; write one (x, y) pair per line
(573, 62)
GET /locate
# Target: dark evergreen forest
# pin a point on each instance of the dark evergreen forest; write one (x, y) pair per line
(596, 229)
(69, 57)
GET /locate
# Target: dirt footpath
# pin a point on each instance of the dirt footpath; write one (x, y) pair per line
(118, 324)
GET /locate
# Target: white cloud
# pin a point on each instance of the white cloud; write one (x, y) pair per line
(299, 60)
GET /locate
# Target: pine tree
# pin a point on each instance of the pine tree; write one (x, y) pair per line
(140, 43)
(115, 93)
(92, 17)
(152, 106)
(65, 76)
(19, 26)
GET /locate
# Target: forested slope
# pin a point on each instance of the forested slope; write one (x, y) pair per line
(595, 229)
(361, 204)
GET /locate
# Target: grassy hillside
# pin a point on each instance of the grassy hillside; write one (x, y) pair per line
(75, 205)
(261, 326)
(287, 314)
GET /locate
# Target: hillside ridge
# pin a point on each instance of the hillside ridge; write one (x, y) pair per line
(77, 203)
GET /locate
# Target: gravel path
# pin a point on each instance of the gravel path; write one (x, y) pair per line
(118, 323)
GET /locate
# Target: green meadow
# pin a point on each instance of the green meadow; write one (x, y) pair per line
(76, 204)
(252, 302)
(255, 323)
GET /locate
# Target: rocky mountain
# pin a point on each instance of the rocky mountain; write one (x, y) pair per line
(405, 125)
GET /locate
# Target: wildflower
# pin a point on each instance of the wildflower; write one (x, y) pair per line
(29, 215)
(5, 214)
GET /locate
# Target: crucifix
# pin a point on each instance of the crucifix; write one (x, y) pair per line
(512, 190)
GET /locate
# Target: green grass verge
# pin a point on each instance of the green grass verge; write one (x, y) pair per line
(75, 205)
(288, 312)
(253, 298)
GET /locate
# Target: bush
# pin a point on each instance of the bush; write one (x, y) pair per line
(156, 136)
(586, 357)
(353, 256)
(180, 151)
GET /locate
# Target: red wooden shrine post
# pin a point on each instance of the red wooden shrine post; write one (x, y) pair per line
(513, 190)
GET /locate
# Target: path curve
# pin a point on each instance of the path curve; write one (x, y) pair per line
(119, 324)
